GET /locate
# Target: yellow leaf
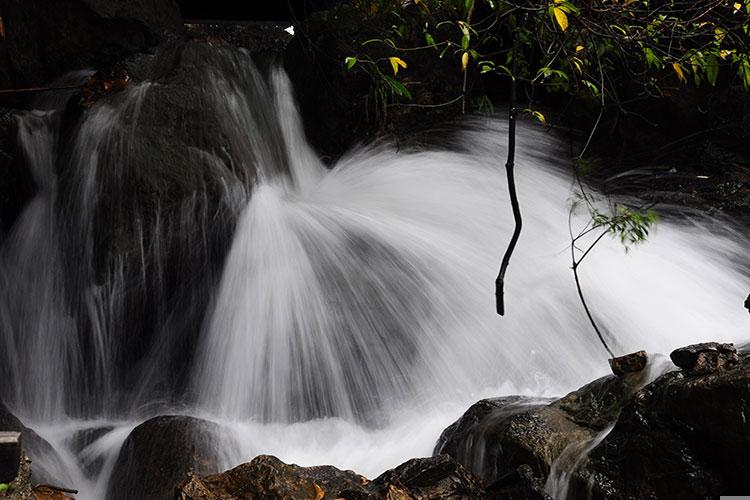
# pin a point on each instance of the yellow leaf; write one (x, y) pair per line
(539, 116)
(725, 53)
(737, 7)
(579, 48)
(678, 70)
(465, 61)
(578, 64)
(561, 17)
(395, 63)
(319, 493)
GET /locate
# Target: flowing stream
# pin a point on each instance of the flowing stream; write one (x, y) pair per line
(341, 314)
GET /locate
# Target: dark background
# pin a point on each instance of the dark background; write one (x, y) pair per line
(252, 10)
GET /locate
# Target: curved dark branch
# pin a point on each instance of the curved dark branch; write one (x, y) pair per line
(509, 167)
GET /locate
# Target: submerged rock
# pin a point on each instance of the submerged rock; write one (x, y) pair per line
(161, 452)
(705, 358)
(269, 478)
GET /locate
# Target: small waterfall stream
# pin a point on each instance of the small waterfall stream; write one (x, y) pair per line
(339, 315)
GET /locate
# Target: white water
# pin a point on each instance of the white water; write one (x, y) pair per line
(355, 316)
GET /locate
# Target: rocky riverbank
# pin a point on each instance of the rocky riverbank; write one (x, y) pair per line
(679, 434)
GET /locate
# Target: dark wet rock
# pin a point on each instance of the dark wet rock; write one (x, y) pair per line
(160, 453)
(435, 477)
(519, 484)
(270, 478)
(10, 455)
(682, 436)
(497, 436)
(80, 440)
(629, 363)
(170, 176)
(705, 358)
(46, 38)
(47, 465)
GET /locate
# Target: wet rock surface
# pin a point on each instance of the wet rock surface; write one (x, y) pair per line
(496, 436)
(705, 358)
(160, 453)
(48, 465)
(270, 478)
(519, 484)
(629, 363)
(684, 435)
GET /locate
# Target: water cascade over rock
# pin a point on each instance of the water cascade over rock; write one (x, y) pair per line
(187, 253)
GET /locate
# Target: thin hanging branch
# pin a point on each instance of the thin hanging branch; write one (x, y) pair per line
(576, 263)
(509, 166)
(38, 89)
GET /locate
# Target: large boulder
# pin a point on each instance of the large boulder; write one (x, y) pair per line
(46, 38)
(269, 478)
(682, 436)
(160, 453)
(496, 436)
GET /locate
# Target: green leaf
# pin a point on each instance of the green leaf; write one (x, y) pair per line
(711, 69)
(486, 66)
(350, 62)
(396, 87)
(429, 39)
(652, 59)
(594, 89)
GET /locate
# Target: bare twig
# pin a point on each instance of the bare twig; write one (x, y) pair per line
(509, 166)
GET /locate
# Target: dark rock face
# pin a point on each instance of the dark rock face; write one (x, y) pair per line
(160, 453)
(269, 478)
(705, 358)
(629, 363)
(519, 484)
(46, 38)
(682, 436)
(436, 477)
(496, 436)
(47, 465)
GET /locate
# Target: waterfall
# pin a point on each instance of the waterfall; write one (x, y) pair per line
(211, 265)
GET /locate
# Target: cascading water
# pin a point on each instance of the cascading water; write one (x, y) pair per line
(354, 316)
